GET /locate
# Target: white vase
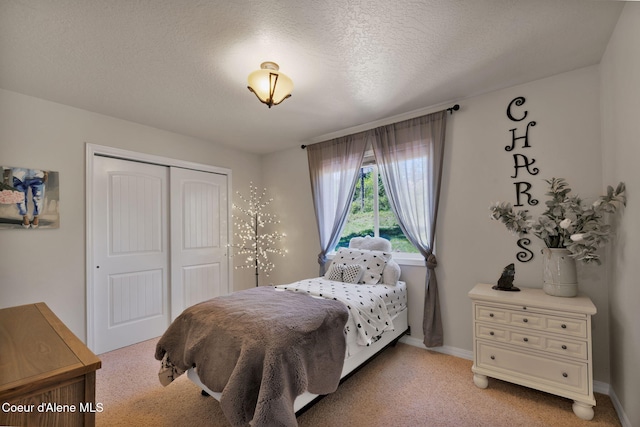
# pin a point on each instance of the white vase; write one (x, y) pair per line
(559, 273)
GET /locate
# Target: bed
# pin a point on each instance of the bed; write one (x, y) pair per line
(299, 341)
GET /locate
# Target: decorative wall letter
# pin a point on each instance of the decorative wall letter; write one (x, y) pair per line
(521, 161)
(514, 138)
(530, 200)
(527, 163)
(526, 254)
(519, 101)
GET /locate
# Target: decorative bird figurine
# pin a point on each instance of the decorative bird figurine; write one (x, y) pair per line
(505, 282)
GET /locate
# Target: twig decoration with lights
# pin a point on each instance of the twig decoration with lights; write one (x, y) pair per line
(256, 244)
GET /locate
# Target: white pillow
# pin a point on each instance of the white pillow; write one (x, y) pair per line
(391, 273)
(334, 272)
(344, 273)
(351, 273)
(370, 243)
(372, 262)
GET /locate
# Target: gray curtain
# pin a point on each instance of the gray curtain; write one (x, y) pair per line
(409, 155)
(333, 169)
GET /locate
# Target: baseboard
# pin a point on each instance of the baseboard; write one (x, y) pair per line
(603, 388)
(598, 386)
(624, 420)
(451, 351)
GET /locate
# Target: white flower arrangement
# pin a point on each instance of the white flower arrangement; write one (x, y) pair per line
(567, 222)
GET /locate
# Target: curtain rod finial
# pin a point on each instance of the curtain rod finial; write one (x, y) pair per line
(454, 108)
(303, 146)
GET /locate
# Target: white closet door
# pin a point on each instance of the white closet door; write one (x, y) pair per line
(199, 238)
(130, 252)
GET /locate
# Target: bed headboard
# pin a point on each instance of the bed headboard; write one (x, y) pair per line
(370, 243)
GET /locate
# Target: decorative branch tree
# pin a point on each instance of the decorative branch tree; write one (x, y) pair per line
(256, 244)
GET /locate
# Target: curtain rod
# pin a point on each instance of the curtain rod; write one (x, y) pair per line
(451, 109)
(454, 108)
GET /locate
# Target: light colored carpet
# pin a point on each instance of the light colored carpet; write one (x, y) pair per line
(403, 386)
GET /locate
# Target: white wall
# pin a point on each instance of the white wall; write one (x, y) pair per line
(286, 178)
(49, 264)
(470, 247)
(621, 153)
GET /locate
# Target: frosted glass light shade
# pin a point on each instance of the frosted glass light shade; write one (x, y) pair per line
(270, 85)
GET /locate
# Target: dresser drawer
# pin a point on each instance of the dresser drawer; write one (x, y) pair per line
(504, 334)
(565, 347)
(532, 339)
(528, 340)
(492, 314)
(574, 327)
(567, 375)
(491, 332)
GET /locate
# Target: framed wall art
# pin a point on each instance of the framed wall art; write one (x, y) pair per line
(29, 198)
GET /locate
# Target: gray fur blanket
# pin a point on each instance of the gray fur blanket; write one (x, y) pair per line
(261, 348)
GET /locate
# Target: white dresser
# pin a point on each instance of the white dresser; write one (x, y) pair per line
(535, 340)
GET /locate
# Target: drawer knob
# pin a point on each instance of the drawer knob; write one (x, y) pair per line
(563, 326)
(524, 308)
(564, 374)
(526, 339)
(490, 314)
(493, 357)
(491, 333)
(564, 347)
(525, 320)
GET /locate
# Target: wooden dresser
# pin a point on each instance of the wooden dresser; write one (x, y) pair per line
(535, 340)
(47, 375)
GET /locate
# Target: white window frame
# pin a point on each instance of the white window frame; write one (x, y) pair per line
(402, 258)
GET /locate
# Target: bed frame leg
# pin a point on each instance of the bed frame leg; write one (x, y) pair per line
(407, 332)
(204, 393)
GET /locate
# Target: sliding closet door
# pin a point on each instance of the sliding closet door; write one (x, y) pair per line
(199, 237)
(130, 252)
(157, 242)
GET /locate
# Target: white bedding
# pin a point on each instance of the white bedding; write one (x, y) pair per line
(372, 308)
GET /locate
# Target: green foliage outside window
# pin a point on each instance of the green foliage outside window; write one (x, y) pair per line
(360, 221)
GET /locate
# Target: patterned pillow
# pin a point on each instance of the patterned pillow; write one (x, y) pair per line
(334, 272)
(372, 262)
(351, 273)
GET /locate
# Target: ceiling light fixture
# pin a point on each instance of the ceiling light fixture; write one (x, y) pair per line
(270, 85)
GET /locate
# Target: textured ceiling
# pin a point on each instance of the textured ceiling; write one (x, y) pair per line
(181, 65)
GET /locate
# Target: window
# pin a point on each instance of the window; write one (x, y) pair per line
(370, 213)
